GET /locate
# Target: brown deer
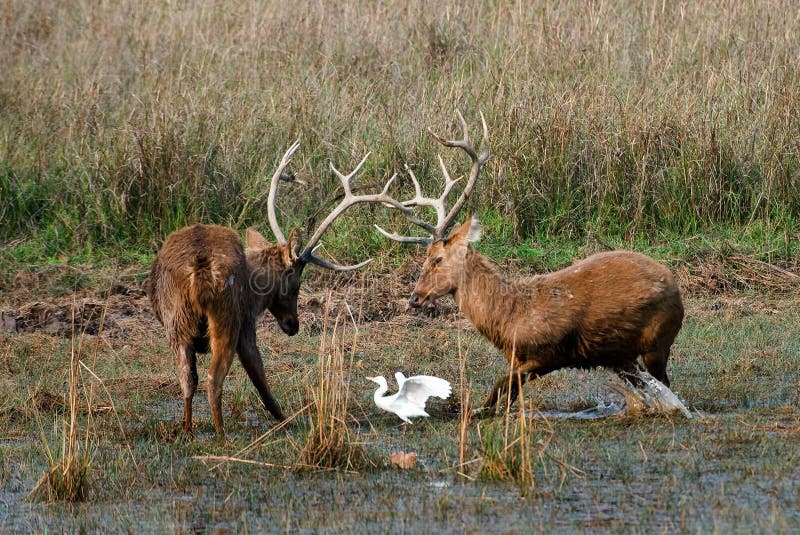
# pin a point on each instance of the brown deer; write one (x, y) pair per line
(207, 291)
(605, 310)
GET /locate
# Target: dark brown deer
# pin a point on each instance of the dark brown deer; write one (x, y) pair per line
(207, 291)
(606, 310)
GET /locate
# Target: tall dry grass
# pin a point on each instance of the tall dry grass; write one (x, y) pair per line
(70, 455)
(123, 120)
(329, 442)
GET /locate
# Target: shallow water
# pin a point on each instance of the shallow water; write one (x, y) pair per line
(595, 413)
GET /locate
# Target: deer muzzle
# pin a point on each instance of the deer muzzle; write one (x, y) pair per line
(289, 325)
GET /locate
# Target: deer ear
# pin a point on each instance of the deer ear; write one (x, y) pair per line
(469, 232)
(293, 244)
(254, 239)
(475, 230)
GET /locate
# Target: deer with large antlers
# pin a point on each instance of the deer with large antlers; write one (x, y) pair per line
(606, 310)
(207, 291)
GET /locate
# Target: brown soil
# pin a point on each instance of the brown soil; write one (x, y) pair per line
(736, 283)
(125, 311)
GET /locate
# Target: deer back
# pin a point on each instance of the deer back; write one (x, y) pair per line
(199, 270)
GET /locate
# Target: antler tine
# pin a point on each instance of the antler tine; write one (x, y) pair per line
(345, 179)
(477, 164)
(404, 239)
(420, 200)
(313, 259)
(349, 200)
(273, 188)
(448, 185)
(437, 203)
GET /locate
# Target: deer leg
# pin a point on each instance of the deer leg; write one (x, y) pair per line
(222, 350)
(186, 362)
(510, 384)
(630, 372)
(656, 364)
(254, 366)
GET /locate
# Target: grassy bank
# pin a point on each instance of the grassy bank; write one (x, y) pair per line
(635, 122)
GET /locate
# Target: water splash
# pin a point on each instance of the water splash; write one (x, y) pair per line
(645, 393)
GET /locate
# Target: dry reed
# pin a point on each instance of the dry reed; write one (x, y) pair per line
(67, 477)
(329, 442)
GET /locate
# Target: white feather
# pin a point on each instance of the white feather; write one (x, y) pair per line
(413, 393)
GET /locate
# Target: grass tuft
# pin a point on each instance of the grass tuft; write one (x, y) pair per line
(67, 478)
(507, 450)
(329, 442)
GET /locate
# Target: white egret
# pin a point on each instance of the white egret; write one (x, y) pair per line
(413, 392)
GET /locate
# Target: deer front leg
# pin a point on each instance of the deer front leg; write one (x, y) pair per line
(509, 385)
(254, 366)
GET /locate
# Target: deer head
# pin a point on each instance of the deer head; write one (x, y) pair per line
(275, 277)
(444, 261)
(444, 264)
(276, 268)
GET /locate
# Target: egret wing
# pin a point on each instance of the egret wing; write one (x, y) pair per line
(400, 378)
(419, 388)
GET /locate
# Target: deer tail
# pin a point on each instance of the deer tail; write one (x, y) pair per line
(202, 283)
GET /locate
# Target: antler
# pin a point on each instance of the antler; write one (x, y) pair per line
(349, 200)
(273, 188)
(443, 221)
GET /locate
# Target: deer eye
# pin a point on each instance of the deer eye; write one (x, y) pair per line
(437, 260)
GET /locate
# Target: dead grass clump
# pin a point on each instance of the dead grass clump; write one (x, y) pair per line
(721, 272)
(42, 400)
(67, 478)
(116, 316)
(329, 442)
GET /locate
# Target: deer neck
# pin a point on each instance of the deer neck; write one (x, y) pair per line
(483, 296)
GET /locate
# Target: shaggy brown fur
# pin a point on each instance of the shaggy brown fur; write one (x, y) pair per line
(605, 310)
(207, 291)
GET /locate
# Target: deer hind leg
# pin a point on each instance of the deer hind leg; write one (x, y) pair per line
(509, 386)
(657, 340)
(630, 372)
(186, 362)
(223, 344)
(656, 364)
(254, 366)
